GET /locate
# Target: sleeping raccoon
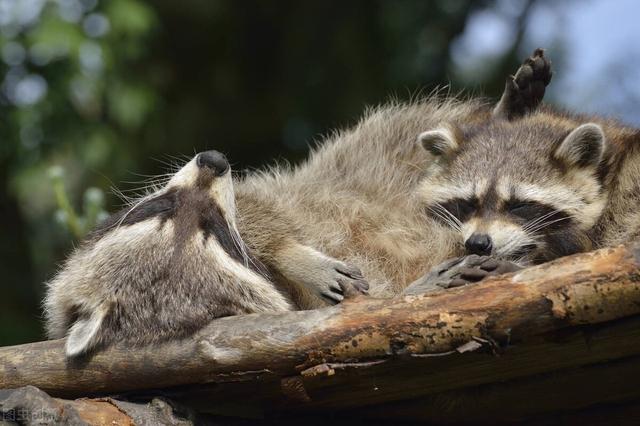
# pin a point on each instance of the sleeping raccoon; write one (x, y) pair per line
(162, 268)
(528, 186)
(358, 197)
(352, 203)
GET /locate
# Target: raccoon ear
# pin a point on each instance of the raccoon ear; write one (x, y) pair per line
(84, 334)
(583, 147)
(441, 142)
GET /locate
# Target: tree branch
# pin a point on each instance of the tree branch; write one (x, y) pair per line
(296, 354)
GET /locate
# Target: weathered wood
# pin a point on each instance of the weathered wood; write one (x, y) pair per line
(417, 385)
(257, 351)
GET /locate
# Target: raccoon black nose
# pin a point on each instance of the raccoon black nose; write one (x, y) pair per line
(479, 244)
(213, 160)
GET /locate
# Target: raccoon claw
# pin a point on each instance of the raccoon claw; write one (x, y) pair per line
(334, 294)
(347, 282)
(460, 271)
(350, 271)
(354, 288)
(524, 91)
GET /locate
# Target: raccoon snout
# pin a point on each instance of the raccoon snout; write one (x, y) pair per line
(213, 160)
(480, 244)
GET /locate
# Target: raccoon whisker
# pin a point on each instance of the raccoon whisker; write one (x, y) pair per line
(446, 217)
(180, 157)
(508, 247)
(539, 219)
(173, 166)
(519, 241)
(242, 248)
(456, 224)
(133, 207)
(149, 177)
(547, 224)
(237, 241)
(141, 189)
(152, 185)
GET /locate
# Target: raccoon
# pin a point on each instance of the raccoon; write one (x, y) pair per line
(532, 183)
(359, 197)
(348, 211)
(162, 268)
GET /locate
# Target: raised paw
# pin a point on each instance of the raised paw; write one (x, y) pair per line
(524, 91)
(460, 271)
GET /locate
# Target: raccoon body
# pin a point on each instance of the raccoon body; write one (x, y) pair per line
(162, 268)
(354, 199)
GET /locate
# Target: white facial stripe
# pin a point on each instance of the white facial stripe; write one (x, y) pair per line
(439, 193)
(222, 192)
(130, 237)
(269, 300)
(186, 176)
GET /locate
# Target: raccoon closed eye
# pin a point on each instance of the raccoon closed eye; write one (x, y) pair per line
(460, 208)
(529, 210)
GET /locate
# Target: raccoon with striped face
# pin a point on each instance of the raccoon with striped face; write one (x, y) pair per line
(162, 268)
(532, 184)
(526, 191)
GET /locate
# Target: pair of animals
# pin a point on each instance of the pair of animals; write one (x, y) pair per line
(371, 210)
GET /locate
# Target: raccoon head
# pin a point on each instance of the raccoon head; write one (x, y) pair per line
(528, 191)
(162, 267)
(198, 197)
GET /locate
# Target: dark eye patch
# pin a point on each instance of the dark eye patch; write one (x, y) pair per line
(162, 206)
(533, 210)
(213, 224)
(460, 208)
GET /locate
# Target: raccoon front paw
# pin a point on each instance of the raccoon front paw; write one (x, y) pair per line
(460, 271)
(524, 91)
(341, 281)
(319, 279)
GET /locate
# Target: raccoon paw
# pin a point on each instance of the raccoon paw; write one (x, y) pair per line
(319, 279)
(342, 281)
(460, 271)
(335, 281)
(524, 91)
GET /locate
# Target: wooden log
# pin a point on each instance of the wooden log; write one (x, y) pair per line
(588, 288)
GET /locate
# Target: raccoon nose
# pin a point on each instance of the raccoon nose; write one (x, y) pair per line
(479, 244)
(213, 160)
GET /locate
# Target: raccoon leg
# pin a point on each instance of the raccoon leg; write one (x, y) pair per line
(324, 277)
(460, 271)
(524, 91)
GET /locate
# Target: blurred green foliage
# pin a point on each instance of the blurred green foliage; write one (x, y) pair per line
(92, 91)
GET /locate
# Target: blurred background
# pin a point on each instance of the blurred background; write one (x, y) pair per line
(103, 93)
